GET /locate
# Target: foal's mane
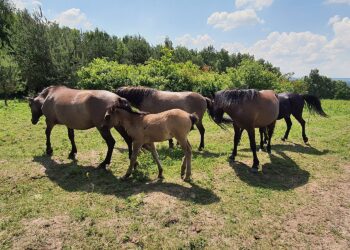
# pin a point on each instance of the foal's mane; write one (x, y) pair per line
(127, 108)
(135, 95)
(226, 98)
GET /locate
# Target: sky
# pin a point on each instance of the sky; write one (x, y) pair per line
(295, 35)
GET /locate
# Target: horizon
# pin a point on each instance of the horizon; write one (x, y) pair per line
(318, 38)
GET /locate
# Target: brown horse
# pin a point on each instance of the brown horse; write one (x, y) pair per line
(248, 109)
(145, 129)
(156, 101)
(77, 109)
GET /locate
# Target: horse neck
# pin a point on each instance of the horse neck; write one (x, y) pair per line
(128, 120)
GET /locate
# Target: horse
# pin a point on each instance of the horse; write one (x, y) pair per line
(145, 129)
(77, 109)
(248, 109)
(293, 104)
(156, 101)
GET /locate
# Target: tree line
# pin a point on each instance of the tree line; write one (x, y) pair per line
(36, 53)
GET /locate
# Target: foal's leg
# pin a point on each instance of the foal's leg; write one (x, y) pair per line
(300, 119)
(107, 136)
(49, 127)
(201, 130)
(289, 126)
(186, 161)
(251, 134)
(270, 130)
(135, 150)
(74, 148)
(236, 140)
(151, 147)
(126, 138)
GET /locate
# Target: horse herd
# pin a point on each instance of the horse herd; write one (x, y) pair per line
(164, 115)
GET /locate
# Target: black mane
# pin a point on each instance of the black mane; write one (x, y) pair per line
(226, 98)
(135, 95)
(127, 108)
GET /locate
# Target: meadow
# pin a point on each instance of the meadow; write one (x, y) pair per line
(299, 199)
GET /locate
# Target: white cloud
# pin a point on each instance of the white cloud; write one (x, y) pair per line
(233, 47)
(73, 18)
(253, 4)
(227, 21)
(338, 1)
(300, 52)
(27, 4)
(198, 42)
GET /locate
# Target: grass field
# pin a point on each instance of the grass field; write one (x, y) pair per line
(300, 198)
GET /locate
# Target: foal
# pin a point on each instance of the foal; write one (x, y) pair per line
(145, 129)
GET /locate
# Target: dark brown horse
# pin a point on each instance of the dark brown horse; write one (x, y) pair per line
(156, 101)
(248, 109)
(145, 129)
(77, 109)
(293, 104)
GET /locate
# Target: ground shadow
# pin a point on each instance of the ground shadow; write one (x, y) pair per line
(73, 177)
(177, 153)
(294, 147)
(281, 174)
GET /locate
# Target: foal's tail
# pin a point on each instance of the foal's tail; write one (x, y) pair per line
(194, 119)
(314, 103)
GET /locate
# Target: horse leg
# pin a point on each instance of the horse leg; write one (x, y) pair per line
(107, 136)
(126, 138)
(135, 150)
(74, 148)
(270, 130)
(251, 134)
(48, 130)
(171, 143)
(201, 130)
(151, 147)
(262, 138)
(186, 162)
(302, 123)
(237, 138)
(289, 126)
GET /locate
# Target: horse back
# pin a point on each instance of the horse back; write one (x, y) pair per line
(77, 109)
(190, 102)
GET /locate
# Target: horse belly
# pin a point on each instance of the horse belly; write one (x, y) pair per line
(74, 118)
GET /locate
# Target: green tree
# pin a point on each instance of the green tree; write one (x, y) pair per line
(10, 80)
(6, 20)
(138, 50)
(319, 85)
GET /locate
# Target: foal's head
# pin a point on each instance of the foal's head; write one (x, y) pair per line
(35, 105)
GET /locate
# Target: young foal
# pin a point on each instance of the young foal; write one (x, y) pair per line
(248, 109)
(77, 109)
(156, 101)
(145, 129)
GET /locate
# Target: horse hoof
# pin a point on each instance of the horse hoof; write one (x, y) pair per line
(306, 140)
(187, 179)
(283, 139)
(254, 170)
(232, 158)
(136, 165)
(71, 156)
(103, 166)
(262, 149)
(125, 177)
(200, 148)
(160, 177)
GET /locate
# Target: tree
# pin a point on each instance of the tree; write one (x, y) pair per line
(138, 50)
(319, 85)
(10, 80)
(6, 19)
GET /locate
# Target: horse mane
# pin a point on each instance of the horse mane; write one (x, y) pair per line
(226, 98)
(47, 90)
(135, 95)
(126, 108)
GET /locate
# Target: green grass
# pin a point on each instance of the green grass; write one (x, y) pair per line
(57, 203)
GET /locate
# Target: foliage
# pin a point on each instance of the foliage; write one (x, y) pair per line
(10, 81)
(6, 19)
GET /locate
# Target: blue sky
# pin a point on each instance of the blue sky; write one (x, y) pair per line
(295, 35)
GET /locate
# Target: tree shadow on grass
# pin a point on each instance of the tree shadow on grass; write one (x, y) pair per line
(73, 177)
(281, 174)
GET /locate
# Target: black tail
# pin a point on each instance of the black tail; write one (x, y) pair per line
(194, 119)
(314, 104)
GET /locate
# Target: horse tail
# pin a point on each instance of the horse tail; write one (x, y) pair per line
(314, 104)
(194, 119)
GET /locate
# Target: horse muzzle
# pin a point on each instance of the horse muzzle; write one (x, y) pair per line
(35, 121)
